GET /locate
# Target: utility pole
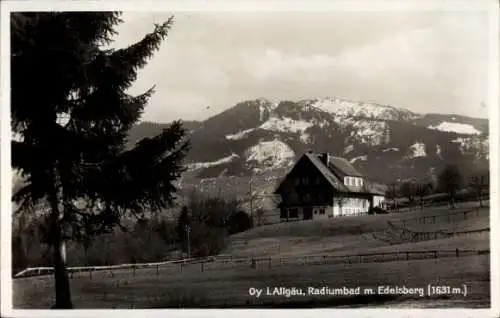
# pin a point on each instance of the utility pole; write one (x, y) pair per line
(188, 229)
(251, 197)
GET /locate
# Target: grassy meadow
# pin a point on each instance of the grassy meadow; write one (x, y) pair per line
(222, 284)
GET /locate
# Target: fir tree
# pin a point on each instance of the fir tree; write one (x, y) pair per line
(71, 112)
(479, 183)
(450, 181)
(182, 228)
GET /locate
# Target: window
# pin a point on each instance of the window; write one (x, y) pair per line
(294, 213)
(322, 211)
(284, 213)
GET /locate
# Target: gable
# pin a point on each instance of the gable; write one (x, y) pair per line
(344, 167)
(333, 174)
(314, 163)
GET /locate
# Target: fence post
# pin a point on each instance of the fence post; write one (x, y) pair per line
(133, 271)
(90, 273)
(269, 261)
(182, 265)
(435, 254)
(324, 259)
(157, 269)
(202, 266)
(407, 255)
(456, 252)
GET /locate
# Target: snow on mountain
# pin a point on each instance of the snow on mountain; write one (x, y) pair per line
(270, 155)
(347, 108)
(458, 128)
(390, 149)
(365, 131)
(348, 149)
(201, 165)
(353, 160)
(438, 152)
(306, 138)
(240, 135)
(284, 124)
(265, 106)
(416, 150)
(474, 144)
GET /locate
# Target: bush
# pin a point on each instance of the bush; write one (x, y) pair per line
(377, 210)
(239, 222)
(209, 222)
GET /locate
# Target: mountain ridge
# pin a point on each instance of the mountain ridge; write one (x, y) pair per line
(384, 142)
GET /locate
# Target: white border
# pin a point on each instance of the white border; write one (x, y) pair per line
(258, 5)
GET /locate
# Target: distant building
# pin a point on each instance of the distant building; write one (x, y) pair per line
(324, 186)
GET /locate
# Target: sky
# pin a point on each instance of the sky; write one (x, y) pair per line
(428, 62)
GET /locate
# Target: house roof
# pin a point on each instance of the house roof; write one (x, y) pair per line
(326, 172)
(332, 175)
(344, 166)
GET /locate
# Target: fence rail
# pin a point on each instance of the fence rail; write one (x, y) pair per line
(214, 263)
(38, 271)
(448, 217)
(408, 235)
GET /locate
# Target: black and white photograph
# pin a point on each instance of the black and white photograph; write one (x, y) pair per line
(275, 158)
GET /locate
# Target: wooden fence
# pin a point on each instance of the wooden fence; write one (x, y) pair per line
(38, 271)
(448, 217)
(400, 233)
(221, 263)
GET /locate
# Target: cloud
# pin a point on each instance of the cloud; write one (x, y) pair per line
(432, 62)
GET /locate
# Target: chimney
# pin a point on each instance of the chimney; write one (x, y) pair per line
(325, 158)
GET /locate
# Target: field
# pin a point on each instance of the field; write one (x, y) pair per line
(289, 247)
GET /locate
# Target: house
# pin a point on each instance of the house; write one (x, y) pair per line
(324, 186)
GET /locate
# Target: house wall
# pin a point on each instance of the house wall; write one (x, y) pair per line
(378, 200)
(350, 206)
(319, 212)
(305, 186)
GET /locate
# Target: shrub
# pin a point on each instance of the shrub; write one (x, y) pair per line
(377, 210)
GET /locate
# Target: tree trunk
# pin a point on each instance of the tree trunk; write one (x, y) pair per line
(452, 203)
(63, 293)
